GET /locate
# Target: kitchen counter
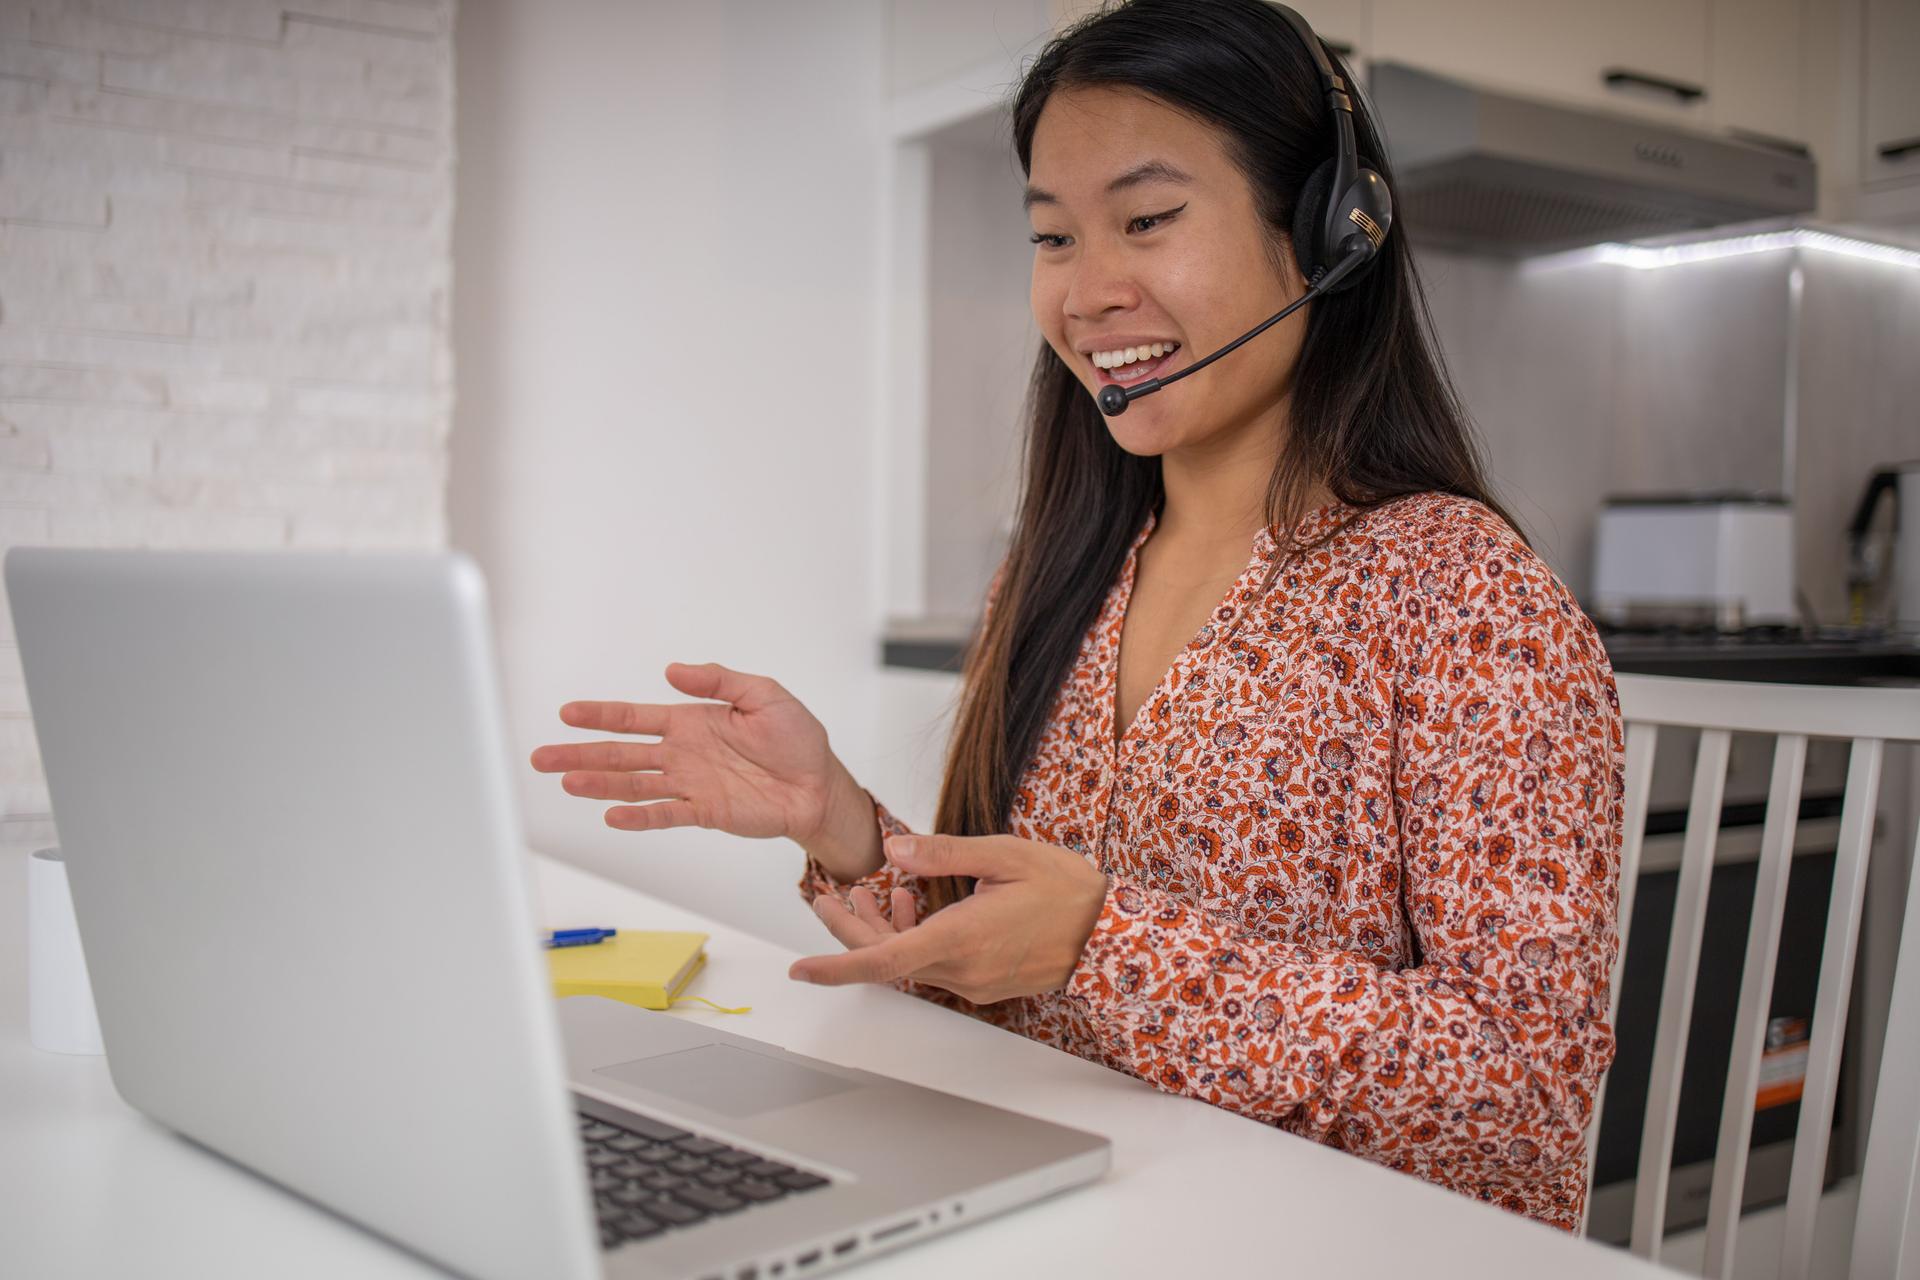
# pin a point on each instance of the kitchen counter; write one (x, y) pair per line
(1835, 659)
(1831, 657)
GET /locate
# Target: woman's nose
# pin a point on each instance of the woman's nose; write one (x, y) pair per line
(1100, 282)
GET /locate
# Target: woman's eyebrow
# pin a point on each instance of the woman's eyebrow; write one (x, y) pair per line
(1145, 171)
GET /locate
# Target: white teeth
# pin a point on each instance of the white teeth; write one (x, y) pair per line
(1127, 355)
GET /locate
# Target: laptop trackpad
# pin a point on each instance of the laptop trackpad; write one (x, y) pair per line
(730, 1081)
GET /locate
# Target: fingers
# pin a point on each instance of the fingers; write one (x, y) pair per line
(906, 912)
(652, 817)
(887, 960)
(622, 786)
(985, 857)
(600, 756)
(849, 929)
(867, 907)
(711, 680)
(616, 717)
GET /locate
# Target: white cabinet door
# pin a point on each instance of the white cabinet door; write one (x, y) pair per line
(1754, 70)
(1892, 115)
(1560, 49)
(1338, 22)
(1342, 23)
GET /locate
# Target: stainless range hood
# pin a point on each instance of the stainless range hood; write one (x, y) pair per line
(1491, 172)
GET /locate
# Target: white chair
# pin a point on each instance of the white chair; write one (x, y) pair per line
(1886, 1242)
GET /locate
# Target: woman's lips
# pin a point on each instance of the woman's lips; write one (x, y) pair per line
(1137, 372)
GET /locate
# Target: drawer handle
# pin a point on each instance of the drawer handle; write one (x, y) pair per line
(1894, 150)
(1615, 77)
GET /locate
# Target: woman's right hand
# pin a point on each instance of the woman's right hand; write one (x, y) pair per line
(753, 763)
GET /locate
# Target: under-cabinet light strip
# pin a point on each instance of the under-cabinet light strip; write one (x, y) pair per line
(1647, 258)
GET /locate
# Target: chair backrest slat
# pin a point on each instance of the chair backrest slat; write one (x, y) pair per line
(1830, 1008)
(1756, 998)
(1676, 992)
(1642, 739)
(1885, 1241)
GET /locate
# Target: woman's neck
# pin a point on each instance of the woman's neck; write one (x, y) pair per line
(1216, 492)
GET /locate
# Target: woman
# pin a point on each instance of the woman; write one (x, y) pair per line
(1285, 775)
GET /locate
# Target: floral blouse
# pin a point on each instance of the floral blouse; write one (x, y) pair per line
(1362, 848)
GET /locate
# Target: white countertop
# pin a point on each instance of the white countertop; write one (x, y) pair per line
(89, 1187)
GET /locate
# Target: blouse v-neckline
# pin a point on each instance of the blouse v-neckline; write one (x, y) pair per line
(1220, 623)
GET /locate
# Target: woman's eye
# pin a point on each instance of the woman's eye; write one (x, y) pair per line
(1057, 242)
(1154, 218)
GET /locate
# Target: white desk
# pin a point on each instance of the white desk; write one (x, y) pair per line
(89, 1187)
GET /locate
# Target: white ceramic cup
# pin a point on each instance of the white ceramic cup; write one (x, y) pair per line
(60, 1014)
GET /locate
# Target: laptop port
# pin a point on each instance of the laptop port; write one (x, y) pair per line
(898, 1228)
(846, 1246)
(806, 1259)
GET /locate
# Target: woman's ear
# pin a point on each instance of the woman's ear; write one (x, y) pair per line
(1286, 265)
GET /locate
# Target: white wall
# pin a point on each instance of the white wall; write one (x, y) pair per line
(666, 261)
(224, 259)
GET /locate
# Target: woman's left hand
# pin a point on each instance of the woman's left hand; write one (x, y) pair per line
(1020, 931)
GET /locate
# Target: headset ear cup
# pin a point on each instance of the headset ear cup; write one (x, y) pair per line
(1309, 212)
(1366, 209)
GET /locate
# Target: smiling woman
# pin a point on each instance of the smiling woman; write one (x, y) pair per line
(1355, 793)
(1285, 776)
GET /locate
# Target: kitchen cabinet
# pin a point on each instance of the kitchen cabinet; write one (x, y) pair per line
(1755, 75)
(1341, 23)
(1561, 49)
(1712, 64)
(1891, 93)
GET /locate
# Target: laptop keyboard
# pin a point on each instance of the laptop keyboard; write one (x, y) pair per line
(649, 1177)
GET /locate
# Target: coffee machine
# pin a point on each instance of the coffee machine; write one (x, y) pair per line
(1875, 560)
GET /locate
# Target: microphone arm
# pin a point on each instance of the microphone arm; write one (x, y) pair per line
(1114, 398)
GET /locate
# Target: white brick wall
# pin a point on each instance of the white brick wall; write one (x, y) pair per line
(224, 265)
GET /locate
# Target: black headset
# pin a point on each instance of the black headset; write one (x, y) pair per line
(1340, 220)
(1342, 197)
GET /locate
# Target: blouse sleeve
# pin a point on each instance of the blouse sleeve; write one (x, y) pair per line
(816, 879)
(1476, 1067)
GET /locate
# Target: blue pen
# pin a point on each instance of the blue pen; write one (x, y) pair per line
(578, 937)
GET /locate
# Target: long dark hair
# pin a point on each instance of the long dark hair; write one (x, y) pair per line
(1372, 415)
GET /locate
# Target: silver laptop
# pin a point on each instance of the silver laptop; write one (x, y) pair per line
(283, 787)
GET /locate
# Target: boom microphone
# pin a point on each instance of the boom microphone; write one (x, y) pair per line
(1355, 251)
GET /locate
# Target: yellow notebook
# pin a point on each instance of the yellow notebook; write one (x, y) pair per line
(647, 968)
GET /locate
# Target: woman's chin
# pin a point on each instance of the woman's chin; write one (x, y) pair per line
(1142, 431)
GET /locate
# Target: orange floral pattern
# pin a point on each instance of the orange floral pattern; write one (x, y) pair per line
(1362, 848)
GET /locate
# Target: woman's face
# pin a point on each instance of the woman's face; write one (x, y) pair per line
(1150, 235)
